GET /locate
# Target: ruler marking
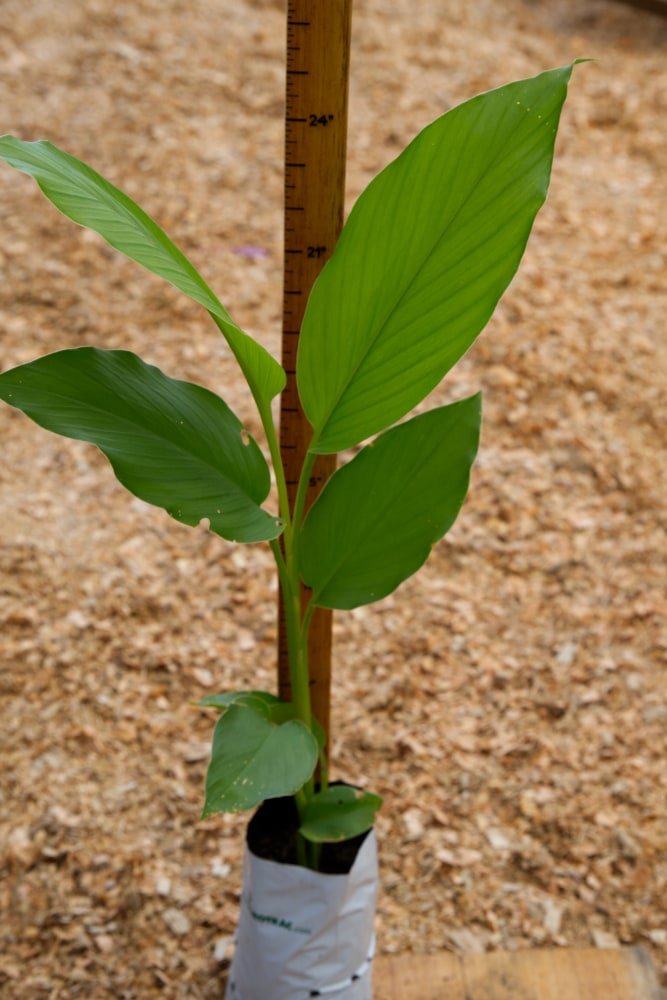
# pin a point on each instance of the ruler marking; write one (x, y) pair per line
(315, 92)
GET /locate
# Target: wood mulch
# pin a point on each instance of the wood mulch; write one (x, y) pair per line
(509, 701)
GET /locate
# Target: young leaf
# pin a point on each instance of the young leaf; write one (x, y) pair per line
(225, 699)
(339, 813)
(428, 250)
(86, 197)
(171, 443)
(375, 521)
(254, 759)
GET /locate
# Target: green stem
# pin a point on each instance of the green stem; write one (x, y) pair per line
(307, 857)
(302, 489)
(281, 565)
(305, 625)
(305, 670)
(296, 626)
(301, 802)
(324, 771)
(301, 851)
(278, 468)
(291, 598)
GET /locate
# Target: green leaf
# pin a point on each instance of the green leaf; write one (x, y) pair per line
(254, 759)
(339, 813)
(171, 443)
(227, 698)
(376, 519)
(86, 197)
(262, 701)
(428, 250)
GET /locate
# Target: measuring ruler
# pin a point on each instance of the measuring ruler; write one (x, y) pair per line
(318, 51)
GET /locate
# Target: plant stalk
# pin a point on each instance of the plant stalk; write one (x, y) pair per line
(297, 621)
(278, 468)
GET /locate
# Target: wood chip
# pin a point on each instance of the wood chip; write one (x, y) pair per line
(509, 701)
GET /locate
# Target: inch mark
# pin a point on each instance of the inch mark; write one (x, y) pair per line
(315, 120)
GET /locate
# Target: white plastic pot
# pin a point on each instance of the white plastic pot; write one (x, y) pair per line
(305, 934)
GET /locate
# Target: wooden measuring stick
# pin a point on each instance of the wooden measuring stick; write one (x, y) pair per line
(318, 48)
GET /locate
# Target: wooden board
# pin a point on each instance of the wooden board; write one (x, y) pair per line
(316, 102)
(549, 974)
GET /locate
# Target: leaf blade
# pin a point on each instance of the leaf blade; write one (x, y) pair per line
(224, 699)
(87, 198)
(173, 444)
(339, 813)
(253, 759)
(377, 518)
(428, 250)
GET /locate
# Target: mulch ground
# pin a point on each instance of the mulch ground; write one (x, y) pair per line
(509, 701)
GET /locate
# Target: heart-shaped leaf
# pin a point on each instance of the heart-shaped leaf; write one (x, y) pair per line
(171, 443)
(339, 813)
(86, 197)
(376, 519)
(254, 758)
(428, 250)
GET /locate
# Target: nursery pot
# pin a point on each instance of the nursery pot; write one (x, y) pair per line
(303, 933)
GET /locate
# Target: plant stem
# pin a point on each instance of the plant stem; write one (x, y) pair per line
(302, 489)
(278, 468)
(291, 604)
(302, 851)
(297, 624)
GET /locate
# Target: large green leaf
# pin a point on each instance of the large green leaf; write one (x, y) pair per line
(86, 197)
(253, 759)
(339, 813)
(375, 521)
(171, 443)
(428, 250)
